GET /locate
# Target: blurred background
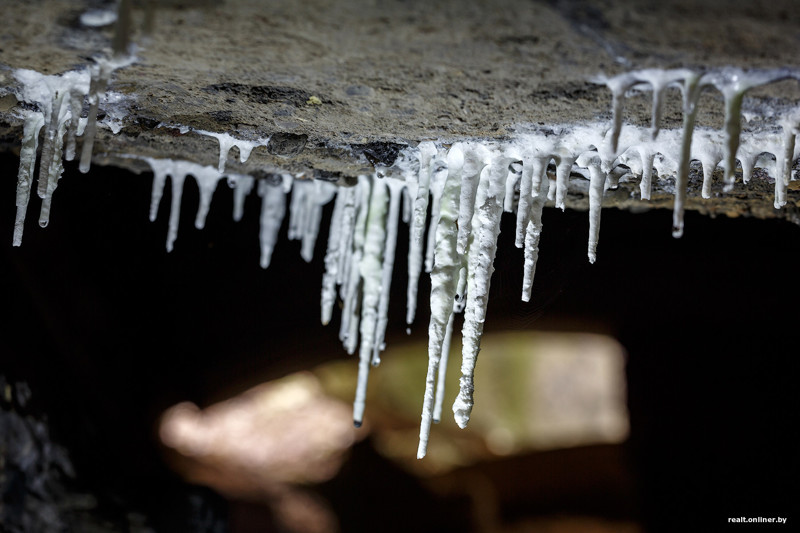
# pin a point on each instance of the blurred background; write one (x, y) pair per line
(194, 391)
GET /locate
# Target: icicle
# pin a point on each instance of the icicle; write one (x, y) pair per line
(437, 187)
(175, 208)
(321, 194)
(395, 189)
(444, 284)
(408, 208)
(733, 83)
(227, 141)
(563, 170)
(75, 108)
(645, 186)
(618, 86)
(532, 234)
(438, 402)
(27, 162)
(475, 160)
(159, 179)
(596, 186)
(482, 249)
(53, 175)
(348, 331)
(298, 209)
(207, 181)
(50, 154)
(784, 165)
(426, 152)
(242, 187)
(512, 182)
(691, 93)
(370, 270)
(458, 307)
(100, 77)
(533, 170)
(350, 196)
(333, 254)
(273, 209)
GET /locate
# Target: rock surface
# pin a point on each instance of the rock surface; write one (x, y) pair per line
(337, 86)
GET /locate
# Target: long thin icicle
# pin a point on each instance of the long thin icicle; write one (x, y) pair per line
(475, 160)
(691, 93)
(596, 186)
(532, 235)
(392, 222)
(348, 331)
(53, 175)
(427, 151)
(27, 162)
(444, 280)
(273, 209)
(437, 188)
(207, 181)
(370, 269)
(321, 193)
(242, 186)
(332, 259)
(482, 249)
(177, 179)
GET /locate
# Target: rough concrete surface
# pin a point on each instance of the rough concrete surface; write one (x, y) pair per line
(397, 72)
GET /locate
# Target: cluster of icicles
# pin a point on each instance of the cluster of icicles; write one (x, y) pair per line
(465, 186)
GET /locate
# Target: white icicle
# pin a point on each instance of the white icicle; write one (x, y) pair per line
(207, 181)
(645, 186)
(784, 165)
(475, 160)
(370, 270)
(419, 213)
(54, 173)
(482, 249)
(75, 107)
(227, 142)
(321, 193)
(101, 74)
(332, 258)
(427, 150)
(563, 169)
(50, 155)
(691, 93)
(437, 187)
(27, 162)
(444, 284)
(458, 307)
(392, 222)
(242, 187)
(596, 187)
(273, 209)
(533, 170)
(297, 209)
(348, 331)
(350, 196)
(177, 179)
(532, 234)
(512, 183)
(157, 191)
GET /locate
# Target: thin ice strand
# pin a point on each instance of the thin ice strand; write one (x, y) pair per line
(392, 222)
(370, 269)
(482, 251)
(27, 162)
(273, 209)
(444, 284)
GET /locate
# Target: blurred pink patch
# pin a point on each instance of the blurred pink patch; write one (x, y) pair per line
(285, 431)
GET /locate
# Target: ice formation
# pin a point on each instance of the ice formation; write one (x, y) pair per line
(456, 193)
